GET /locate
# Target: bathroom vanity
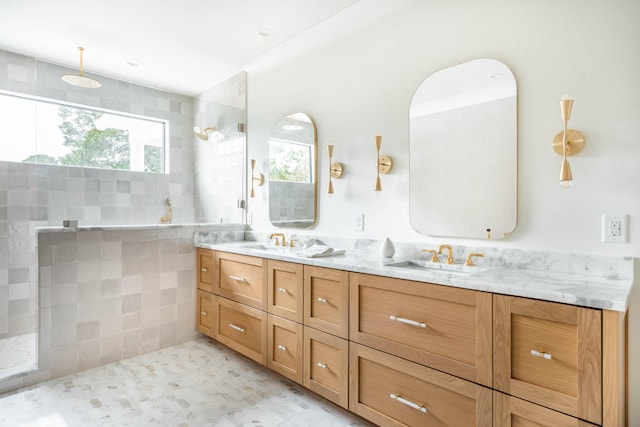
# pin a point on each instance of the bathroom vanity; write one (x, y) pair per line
(402, 345)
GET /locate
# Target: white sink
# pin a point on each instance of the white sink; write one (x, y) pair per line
(457, 269)
(261, 247)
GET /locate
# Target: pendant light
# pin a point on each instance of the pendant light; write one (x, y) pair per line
(81, 80)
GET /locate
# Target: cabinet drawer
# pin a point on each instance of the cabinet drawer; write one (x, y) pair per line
(513, 412)
(284, 289)
(550, 354)
(391, 391)
(326, 366)
(285, 348)
(242, 328)
(242, 278)
(205, 315)
(446, 328)
(326, 300)
(205, 269)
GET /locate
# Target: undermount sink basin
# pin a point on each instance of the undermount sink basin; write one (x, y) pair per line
(261, 247)
(457, 269)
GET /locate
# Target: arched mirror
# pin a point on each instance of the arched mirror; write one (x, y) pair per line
(463, 152)
(292, 172)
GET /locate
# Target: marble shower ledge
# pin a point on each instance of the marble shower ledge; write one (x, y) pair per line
(605, 286)
(136, 227)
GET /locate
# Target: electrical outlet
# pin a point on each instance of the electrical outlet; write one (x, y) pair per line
(358, 222)
(614, 228)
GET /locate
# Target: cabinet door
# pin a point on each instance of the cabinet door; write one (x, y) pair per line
(242, 278)
(205, 316)
(242, 328)
(205, 269)
(326, 300)
(550, 354)
(326, 366)
(284, 348)
(509, 411)
(284, 289)
(445, 328)
(391, 391)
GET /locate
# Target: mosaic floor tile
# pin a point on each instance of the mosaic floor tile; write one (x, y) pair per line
(199, 383)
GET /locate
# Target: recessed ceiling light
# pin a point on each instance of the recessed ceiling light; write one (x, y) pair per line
(265, 32)
(134, 63)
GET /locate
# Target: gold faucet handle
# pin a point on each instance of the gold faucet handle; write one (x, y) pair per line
(275, 236)
(434, 256)
(292, 243)
(469, 262)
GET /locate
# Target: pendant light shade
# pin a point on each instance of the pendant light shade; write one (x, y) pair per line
(80, 79)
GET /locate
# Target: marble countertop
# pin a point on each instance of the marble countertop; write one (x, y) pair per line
(610, 291)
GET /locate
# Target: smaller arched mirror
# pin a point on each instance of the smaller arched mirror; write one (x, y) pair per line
(292, 172)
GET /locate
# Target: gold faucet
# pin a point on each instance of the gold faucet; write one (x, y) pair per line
(450, 256)
(167, 219)
(276, 235)
(434, 257)
(468, 262)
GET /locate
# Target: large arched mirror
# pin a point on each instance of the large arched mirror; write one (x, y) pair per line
(463, 152)
(292, 172)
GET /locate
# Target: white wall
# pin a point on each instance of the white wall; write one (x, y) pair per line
(363, 84)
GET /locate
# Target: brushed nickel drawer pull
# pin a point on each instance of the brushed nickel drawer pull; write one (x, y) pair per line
(237, 328)
(238, 278)
(281, 347)
(283, 290)
(408, 321)
(541, 354)
(204, 270)
(409, 403)
(322, 300)
(204, 313)
(322, 365)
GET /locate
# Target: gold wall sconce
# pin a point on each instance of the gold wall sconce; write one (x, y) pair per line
(336, 169)
(384, 163)
(567, 143)
(256, 178)
(203, 133)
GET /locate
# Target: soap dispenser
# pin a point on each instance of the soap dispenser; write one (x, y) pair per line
(387, 249)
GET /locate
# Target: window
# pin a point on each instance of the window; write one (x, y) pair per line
(45, 131)
(289, 161)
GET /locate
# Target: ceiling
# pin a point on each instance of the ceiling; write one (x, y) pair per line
(185, 47)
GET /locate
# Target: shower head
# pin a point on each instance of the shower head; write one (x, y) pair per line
(202, 133)
(81, 80)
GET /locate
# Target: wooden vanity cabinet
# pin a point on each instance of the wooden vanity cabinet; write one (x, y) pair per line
(205, 315)
(391, 391)
(326, 366)
(326, 300)
(205, 269)
(445, 328)
(284, 289)
(242, 328)
(550, 354)
(406, 353)
(284, 351)
(241, 278)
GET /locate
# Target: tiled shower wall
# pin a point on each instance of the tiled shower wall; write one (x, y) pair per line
(36, 195)
(109, 295)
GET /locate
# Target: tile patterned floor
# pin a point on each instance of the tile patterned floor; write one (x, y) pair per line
(17, 354)
(199, 383)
